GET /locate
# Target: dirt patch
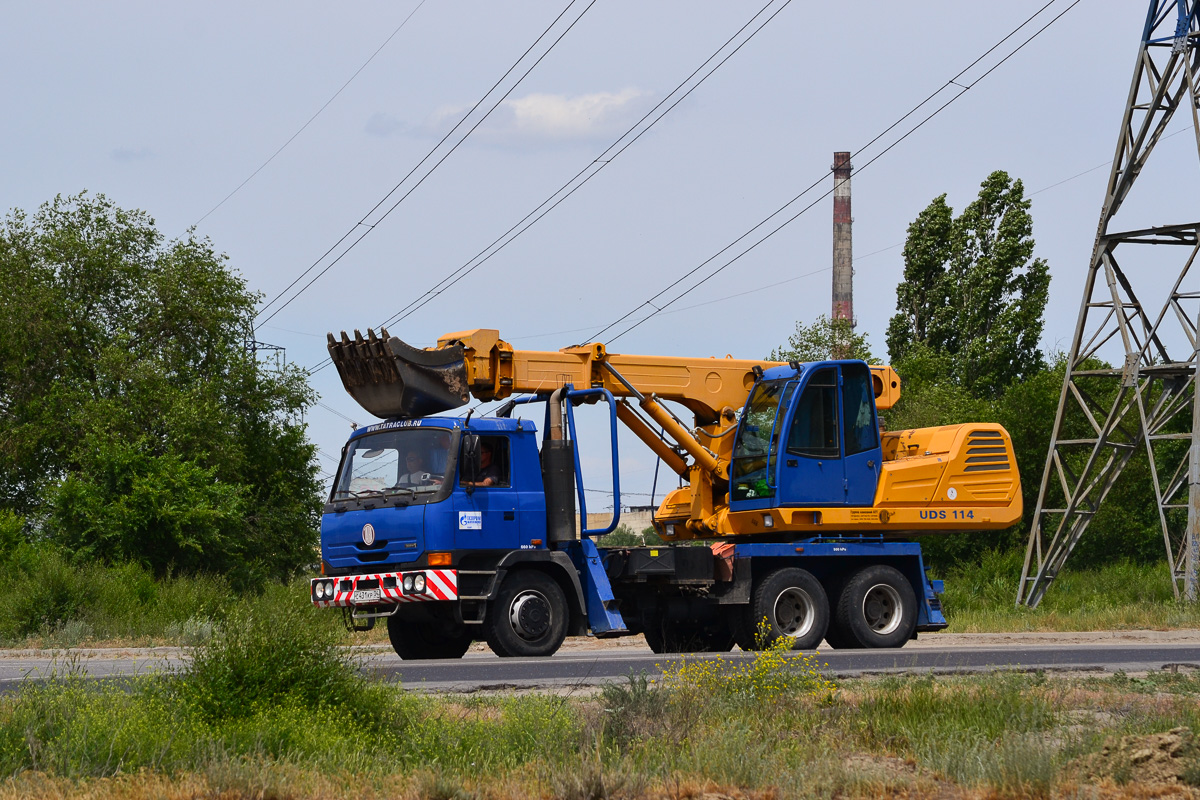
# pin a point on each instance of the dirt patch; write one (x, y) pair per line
(1172, 757)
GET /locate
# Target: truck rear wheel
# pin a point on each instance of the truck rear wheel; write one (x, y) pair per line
(878, 608)
(528, 617)
(416, 640)
(794, 605)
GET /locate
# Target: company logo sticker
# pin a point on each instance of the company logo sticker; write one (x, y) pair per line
(368, 534)
(952, 493)
(470, 520)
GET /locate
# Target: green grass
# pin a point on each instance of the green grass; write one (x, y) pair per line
(272, 703)
(1119, 596)
(56, 602)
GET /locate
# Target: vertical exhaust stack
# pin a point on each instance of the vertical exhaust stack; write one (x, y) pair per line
(558, 475)
(843, 248)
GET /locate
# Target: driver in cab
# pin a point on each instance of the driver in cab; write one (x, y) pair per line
(418, 472)
(489, 471)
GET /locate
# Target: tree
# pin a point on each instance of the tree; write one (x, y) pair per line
(134, 422)
(824, 339)
(972, 290)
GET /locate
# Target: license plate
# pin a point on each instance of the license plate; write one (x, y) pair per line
(366, 596)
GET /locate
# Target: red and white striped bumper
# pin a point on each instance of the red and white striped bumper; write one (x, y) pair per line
(440, 584)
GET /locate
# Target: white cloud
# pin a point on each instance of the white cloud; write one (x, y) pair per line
(557, 116)
(543, 117)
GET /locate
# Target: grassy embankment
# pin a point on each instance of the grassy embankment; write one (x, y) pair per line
(52, 602)
(272, 707)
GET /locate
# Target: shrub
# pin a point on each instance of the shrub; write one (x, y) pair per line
(255, 661)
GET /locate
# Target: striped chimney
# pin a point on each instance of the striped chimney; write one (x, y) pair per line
(843, 255)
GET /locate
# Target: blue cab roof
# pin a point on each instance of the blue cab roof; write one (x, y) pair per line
(785, 371)
(478, 425)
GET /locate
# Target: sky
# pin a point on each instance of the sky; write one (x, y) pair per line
(169, 108)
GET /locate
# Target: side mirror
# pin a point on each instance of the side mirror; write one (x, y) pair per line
(469, 465)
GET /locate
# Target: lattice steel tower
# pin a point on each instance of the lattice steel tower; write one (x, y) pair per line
(1137, 316)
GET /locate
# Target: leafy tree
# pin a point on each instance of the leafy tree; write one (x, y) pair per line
(972, 289)
(134, 422)
(824, 339)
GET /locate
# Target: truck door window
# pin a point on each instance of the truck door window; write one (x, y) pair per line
(814, 432)
(494, 461)
(858, 409)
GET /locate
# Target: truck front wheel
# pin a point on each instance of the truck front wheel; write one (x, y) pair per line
(413, 640)
(528, 617)
(878, 608)
(794, 605)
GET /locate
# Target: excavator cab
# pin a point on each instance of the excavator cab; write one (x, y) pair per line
(809, 436)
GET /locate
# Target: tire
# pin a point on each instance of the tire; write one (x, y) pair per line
(528, 618)
(794, 604)
(417, 640)
(878, 608)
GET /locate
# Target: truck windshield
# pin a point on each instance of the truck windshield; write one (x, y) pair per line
(407, 460)
(757, 442)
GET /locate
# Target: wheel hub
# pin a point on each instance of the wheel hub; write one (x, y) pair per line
(794, 612)
(881, 609)
(530, 615)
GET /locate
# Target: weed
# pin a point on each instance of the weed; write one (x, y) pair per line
(773, 673)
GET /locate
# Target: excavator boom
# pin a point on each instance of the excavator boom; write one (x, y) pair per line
(389, 378)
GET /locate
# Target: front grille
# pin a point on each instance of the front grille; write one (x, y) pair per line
(378, 544)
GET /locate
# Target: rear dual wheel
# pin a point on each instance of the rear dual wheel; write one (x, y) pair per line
(877, 608)
(789, 603)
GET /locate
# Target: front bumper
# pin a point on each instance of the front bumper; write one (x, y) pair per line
(384, 588)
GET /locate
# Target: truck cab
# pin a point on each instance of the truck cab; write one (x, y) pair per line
(398, 494)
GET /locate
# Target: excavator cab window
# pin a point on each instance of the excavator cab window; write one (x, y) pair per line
(814, 431)
(754, 452)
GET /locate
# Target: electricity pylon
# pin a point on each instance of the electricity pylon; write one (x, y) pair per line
(1148, 398)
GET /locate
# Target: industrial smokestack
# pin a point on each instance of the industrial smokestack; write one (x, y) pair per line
(843, 246)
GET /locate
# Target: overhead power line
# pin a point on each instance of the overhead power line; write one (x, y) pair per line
(589, 171)
(364, 227)
(593, 168)
(341, 89)
(658, 306)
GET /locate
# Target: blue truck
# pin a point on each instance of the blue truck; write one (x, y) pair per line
(793, 506)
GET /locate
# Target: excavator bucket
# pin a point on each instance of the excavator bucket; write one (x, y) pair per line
(391, 379)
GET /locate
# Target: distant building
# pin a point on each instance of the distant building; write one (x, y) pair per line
(636, 518)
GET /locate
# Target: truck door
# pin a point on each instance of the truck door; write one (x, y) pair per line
(811, 470)
(487, 518)
(860, 435)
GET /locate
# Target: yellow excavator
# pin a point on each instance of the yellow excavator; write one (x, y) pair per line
(785, 467)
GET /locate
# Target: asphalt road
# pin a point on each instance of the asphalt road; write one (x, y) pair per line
(597, 665)
(478, 671)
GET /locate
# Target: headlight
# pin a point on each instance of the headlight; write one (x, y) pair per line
(329, 590)
(419, 584)
(408, 583)
(320, 590)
